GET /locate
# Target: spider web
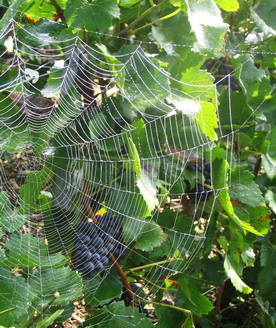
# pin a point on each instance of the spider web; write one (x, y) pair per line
(98, 133)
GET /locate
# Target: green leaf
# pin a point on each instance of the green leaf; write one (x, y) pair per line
(270, 197)
(94, 15)
(16, 297)
(234, 277)
(101, 290)
(97, 125)
(257, 217)
(164, 34)
(248, 75)
(18, 254)
(145, 85)
(199, 82)
(119, 316)
(243, 188)
(207, 120)
(195, 301)
(117, 199)
(30, 191)
(10, 220)
(264, 16)
(228, 5)
(167, 315)
(134, 157)
(147, 187)
(269, 165)
(49, 320)
(46, 282)
(207, 24)
(151, 236)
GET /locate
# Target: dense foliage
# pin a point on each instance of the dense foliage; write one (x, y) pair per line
(230, 280)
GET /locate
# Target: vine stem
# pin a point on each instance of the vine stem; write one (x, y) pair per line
(173, 307)
(59, 10)
(34, 319)
(123, 277)
(157, 21)
(138, 19)
(153, 264)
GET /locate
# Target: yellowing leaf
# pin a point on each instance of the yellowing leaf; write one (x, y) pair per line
(228, 5)
(207, 120)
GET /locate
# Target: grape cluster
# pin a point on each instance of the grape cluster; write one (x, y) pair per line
(204, 189)
(220, 67)
(94, 242)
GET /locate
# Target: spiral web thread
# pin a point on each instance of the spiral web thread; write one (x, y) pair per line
(84, 134)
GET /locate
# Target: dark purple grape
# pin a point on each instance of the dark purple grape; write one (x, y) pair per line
(98, 266)
(104, 260)
(98, 242)
(208, 181)
(96, 256)
(86, 255)
(89, 266)
(191, 168)
(103, 251)
(200, 188)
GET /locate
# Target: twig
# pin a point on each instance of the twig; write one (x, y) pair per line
(145, 13)
(124, 278)
(59, 10)
(153, 264)
(34, 319)
(219, 298)
(156, 21)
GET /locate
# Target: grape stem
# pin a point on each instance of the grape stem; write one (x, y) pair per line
(123, 277)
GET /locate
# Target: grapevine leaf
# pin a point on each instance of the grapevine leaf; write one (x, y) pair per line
(207, 120)
(257, 216)
(264, 16)
(243, 188)
(234, 277)
(221, 166)
(195, 301)
(151, 236)
(134, 157)
(49, 320)
(10, 220)
(269, 165)
(168, 315)
(248, 75)
(30, 191)
(117, 200)
(119, 316)
(145, 89)
(146, 186)
(270, 197)
(46, 282)
(16, 297)
(94, 15)
(148, 189)
(19, 256)
(207, 23)
(164, 34)
(199, 82)
(228, 5)
(99, 291)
